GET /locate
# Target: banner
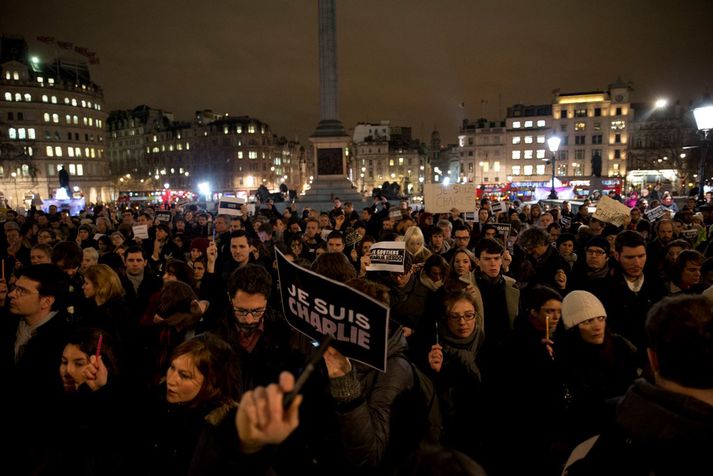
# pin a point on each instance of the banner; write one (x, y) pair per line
(442, 198)
(395, 214)
(317, 306)
(610, 211)
(387, 256)
(230, 206)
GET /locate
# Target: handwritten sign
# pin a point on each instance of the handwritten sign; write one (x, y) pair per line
(610, 211)
(442, 198)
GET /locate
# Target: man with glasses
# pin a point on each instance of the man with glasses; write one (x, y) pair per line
(594, 274)
(32, 337)
(258, 335)
(461, 238)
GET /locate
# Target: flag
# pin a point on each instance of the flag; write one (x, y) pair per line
(46, 39)
(67, 45)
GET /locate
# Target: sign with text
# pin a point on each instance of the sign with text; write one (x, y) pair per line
(503, 231)
(442, 198)
(163, 217)
(387, 256)
(498, 207)
(610, 211)
(656, 213)
(691, 234)
(317, 306)
(395, 214)
(141, 231)
(230, 206)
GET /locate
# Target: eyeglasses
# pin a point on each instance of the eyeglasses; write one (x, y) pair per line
(468, 316)
(242, 312)
(20, 291)
(595, 252)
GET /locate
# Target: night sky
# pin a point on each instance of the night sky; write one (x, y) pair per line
(412, 62)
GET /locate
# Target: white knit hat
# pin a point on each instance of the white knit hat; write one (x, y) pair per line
(578, 306)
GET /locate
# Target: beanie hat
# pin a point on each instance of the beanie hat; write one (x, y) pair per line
(578, 306)
(599, 242)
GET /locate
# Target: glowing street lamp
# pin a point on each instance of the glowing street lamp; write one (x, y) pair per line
(704, 123)
(660, 103)
(553, 143)
(204, 189)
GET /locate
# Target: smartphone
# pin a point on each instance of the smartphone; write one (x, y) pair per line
(309, 368)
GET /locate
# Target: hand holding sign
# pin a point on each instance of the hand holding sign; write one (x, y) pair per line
(337, 364)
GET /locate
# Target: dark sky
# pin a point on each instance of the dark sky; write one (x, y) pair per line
(412, 62)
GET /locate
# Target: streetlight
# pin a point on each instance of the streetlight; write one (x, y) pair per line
(660, 103)
(704, 123)
(553, 143)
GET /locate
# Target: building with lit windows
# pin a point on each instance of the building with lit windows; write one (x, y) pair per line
(51, 116)
(385, 153)
(148, 149)
(527, 128)
(481, 152)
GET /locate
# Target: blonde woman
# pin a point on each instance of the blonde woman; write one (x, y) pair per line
(415, 244)
(106, 308)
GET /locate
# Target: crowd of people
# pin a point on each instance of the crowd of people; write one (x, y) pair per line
(171, 355)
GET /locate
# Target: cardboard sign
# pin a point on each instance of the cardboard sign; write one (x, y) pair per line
(325, 233)
(141, 231)
(610, 211)
(163, 217)
(317, 306)
(656, 213)
(251, 209)
(230, 206)
(387, 256)
(442, 198)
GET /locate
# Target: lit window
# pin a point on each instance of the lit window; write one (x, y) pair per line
(74, 102)
(12, 133)
(91, 121)
(540, 139)
(31, 133)
(225, 129)
(47, 117)
(15, 75)
(55, 118)
(89, 104)
(516, 125)
(66, 100)
(50, 81)
(516, 170)
(40, 79)
(240, 154)
(252, 155)
(77, 152)
(8, 97)
(75, 119)
(44, 98)
(84, 103)
(391, 162)
(528, 154)
(49, 151)
(516, 140)
(239, 130)
(93, 152)
(580, 126)
(496, 166)
(528, 139)
(251, 129)
(53, 100)
(72, 169)
(21, 134)
(80, 169)
(155, 150)
(188, 146)
(179, 146)
(86, 152)
(68, 119)
(541, 123)
(18, 97)
(540, 153)
(28, 98)
(84, 121)
(516, 154)
(540, 169)
(70, 152)
(57, 151)
(528, 170)
(528, 123)
(401, 161)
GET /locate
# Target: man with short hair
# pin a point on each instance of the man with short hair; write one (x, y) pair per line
(90, 258)
(461, 238)
(630, 294)
(140, 281)
(335, 242)
(664, 427)
(438, 244)
(32, 337)
(593, 274)
(259, 336)
(656, 250)
(311, 238)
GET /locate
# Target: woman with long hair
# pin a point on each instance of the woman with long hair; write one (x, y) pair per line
(106, 309)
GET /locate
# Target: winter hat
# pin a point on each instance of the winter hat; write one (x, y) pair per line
(578, 306)
(599, 242)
